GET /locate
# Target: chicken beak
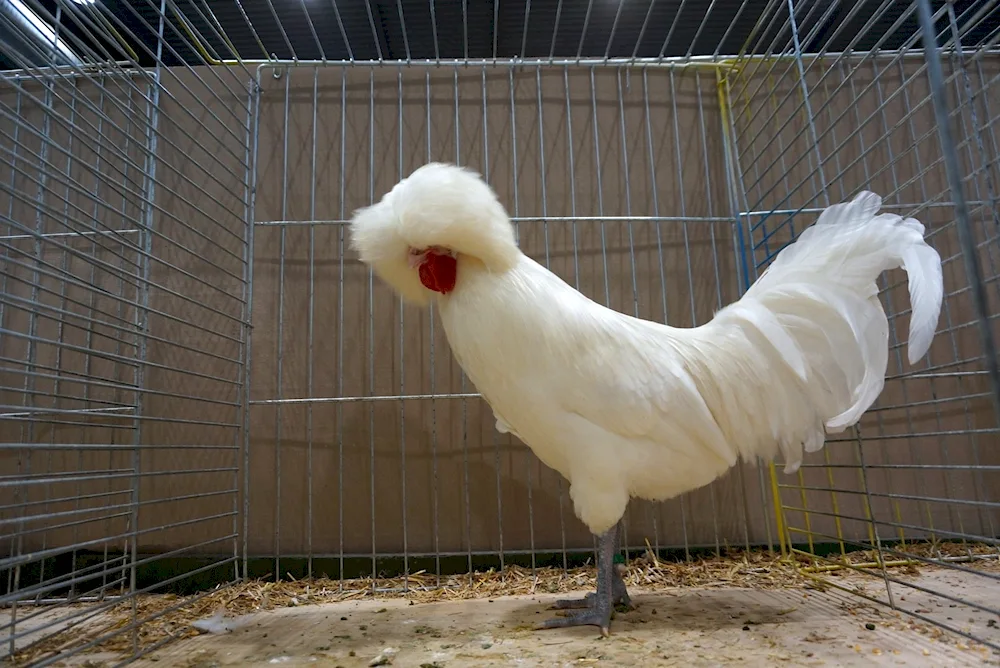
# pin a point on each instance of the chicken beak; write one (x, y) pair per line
(416, 259)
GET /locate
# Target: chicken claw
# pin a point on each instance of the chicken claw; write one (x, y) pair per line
(593, 617)
(599, 604)
(619, 596)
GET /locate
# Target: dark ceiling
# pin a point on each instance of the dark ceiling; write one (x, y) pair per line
(429, 29)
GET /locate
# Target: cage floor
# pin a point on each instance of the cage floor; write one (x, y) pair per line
(684, 626)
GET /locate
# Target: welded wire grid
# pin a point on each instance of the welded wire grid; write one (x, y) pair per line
(398, 448)
(923, 463)
(377, 454)
(639, 160)
(122, 327)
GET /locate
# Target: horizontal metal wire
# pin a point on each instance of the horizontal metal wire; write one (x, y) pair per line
(888, 495)
(987, 540)
(533, 219)
(106, 447)
(110, 567)
(921, 467)
(20, 560)
(337, 400)
(110, 474)
(23, 530)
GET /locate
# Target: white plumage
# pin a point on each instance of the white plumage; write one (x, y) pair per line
(626, 407)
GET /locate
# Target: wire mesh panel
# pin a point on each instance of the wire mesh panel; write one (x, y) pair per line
(923, 463)
(371, 454)
(123, 247)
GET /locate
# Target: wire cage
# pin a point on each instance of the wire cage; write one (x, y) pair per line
(202, 385)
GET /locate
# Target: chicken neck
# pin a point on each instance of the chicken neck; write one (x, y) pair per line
(598, 606)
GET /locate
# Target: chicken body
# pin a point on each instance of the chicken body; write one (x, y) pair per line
(605, 399)
(624, 407)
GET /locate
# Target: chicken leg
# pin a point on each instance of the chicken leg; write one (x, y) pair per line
(619, 593)
(597, 607)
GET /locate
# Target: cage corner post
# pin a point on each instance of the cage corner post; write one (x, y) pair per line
(745, 274)
(949, 153)
(250, 192)
(142, 325)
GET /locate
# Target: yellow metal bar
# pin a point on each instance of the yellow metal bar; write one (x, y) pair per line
(121, 40)
(199, 47)
(826, 568)
(867, 564)
(806, 515)
(779, 511)
(203, 52)
(834, 502)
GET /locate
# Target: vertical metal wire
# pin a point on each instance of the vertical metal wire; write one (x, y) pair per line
(253, 121)
(709, 196)
(341, 247)
(63, 305)
(496, 435)
(679, 167)
(433, 372)
(311, 323)
(112, 568)
(631, 234)
(654, 193)
(548, 263)
(529, 464)
(89, 340)
(573, 214)
(371, 323)
(402, 369)
(253, 138)
(463, 380)
(280, 343)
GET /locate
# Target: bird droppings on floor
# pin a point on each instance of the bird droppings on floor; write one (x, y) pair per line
(690, 627)
(752, 610)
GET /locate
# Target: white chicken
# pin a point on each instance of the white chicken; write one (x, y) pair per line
(624, 407)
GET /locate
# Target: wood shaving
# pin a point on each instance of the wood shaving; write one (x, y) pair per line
(167, 617)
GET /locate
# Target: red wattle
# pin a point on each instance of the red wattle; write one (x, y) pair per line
(439, 273)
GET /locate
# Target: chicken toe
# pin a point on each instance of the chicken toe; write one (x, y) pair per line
(591, 617)
(619, 595)
(597, 607)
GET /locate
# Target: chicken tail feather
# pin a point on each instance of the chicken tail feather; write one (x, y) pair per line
(813, 326)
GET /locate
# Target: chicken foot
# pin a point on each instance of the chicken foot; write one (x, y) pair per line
(598, 606)
(619, 593)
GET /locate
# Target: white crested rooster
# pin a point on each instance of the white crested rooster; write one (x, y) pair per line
(624, 407)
